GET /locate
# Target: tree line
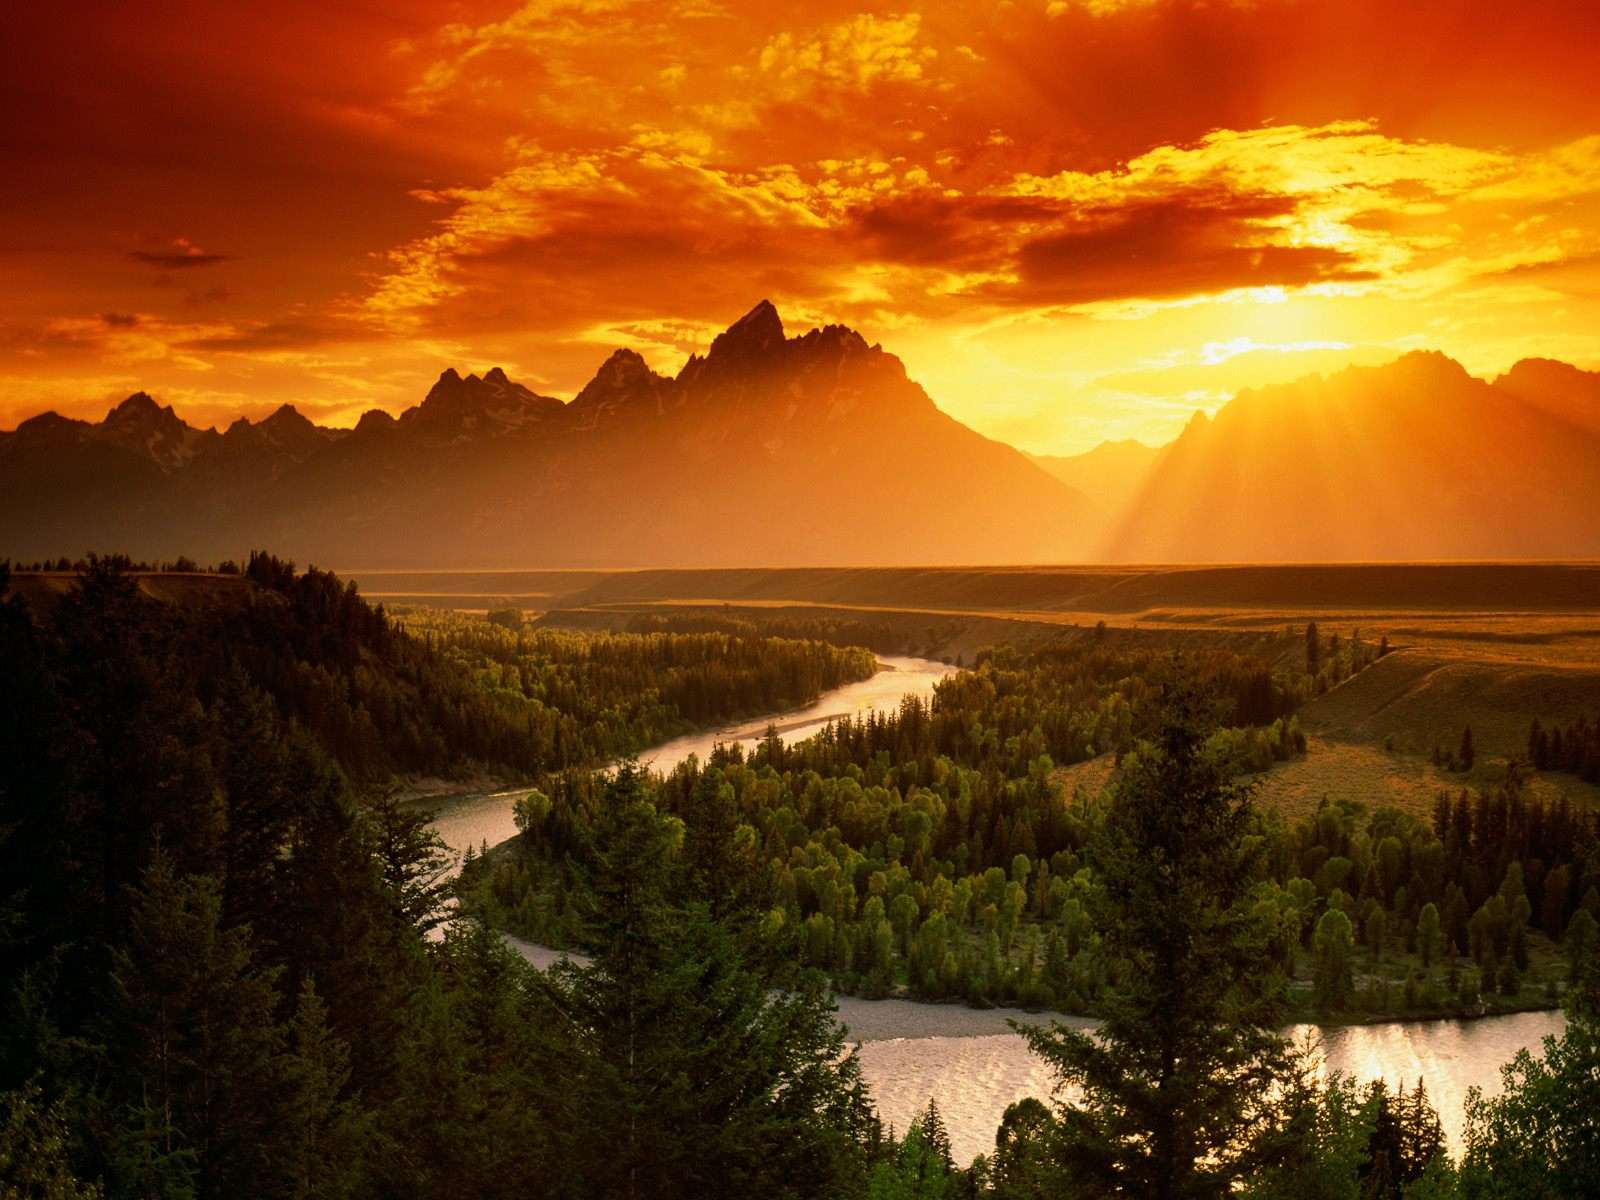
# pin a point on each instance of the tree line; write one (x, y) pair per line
(935, 849)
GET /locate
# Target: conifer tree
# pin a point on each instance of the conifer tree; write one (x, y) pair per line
(194, 1038)
(691, 1073)
(1178, 1086)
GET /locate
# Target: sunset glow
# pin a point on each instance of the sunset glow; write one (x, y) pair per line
(1075, 220)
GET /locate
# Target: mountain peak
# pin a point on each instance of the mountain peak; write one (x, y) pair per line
(622, 379)
(138, 405)
(1433, 365)
(624, 366)
(375, 418)
(751, 336)
(286, 414)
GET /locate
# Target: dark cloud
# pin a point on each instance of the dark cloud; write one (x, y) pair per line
(177, 260)
(278, 335)
(952, 232)
(1179, 245)
(116, 320)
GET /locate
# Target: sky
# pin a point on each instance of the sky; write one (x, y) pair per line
(1074, 220)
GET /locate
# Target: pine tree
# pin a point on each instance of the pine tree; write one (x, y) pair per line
(931, 1125)
(1430, 936)
(193, 1036)
(1465, 755)
(1177, 1086)
(1332, 944)
(1313, 649)
(413, 861)
(692, 1072)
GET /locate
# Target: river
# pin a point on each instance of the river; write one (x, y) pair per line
(486, 818)
(970, 1060)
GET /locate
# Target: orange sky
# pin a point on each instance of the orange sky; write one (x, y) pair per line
(1074, 219)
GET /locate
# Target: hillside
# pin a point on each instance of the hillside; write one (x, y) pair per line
(1413, 459)
(768, 448)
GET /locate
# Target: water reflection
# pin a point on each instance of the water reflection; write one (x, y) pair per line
(486, 819)
(975, 1078)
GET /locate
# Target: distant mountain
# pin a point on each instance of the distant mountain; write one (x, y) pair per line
(1413, 460)
(766, 450)
(1557, 388)
(1110, 475)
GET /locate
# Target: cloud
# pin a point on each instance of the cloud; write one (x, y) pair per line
(1192, 243)
(856, 55)
(184, 255)
(1271, 209)
(276, 335)
(572, 221)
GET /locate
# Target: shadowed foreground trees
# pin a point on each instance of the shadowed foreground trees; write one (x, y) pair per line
(689, 1071)
(1176, 1096)
(215, 980)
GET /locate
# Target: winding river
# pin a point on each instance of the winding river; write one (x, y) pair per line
(485, 819)
(971, 1060)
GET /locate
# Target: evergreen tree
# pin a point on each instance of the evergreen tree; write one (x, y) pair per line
(413, 861)
(690, 1073)
(1332, 945)
(1022, 1167)
(1430, 935)
(193, 1036)
(1177, 1088)
(1313, 649)
(1465, 755)
(1330, 1126)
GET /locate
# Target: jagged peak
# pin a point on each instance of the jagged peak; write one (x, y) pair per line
(140, 404)
(624, 367)
(753, 334)
(285, 414)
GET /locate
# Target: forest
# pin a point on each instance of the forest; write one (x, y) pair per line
(933, 851)
(231, 968)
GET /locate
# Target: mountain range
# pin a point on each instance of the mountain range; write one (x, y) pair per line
(818, 450)
(814, 449)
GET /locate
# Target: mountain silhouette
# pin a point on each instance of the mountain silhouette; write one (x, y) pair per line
(1412, 460)
(768, 449)
(818, 450)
